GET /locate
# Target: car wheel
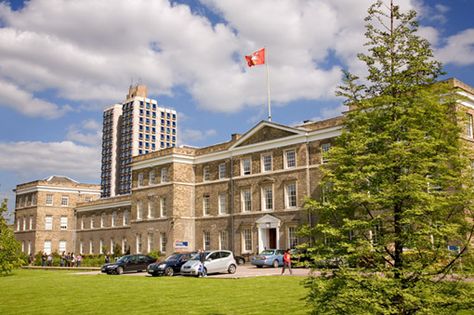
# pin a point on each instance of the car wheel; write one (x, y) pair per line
(275, 263)
(232, 268)
(169, 272)
(240, 261)
(119, 270)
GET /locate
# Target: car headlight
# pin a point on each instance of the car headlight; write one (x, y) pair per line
(162, 266)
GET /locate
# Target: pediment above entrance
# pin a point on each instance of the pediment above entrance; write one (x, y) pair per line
(268, 221)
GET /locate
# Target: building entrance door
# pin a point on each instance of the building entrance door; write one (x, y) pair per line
(268, 232)
(272, 240)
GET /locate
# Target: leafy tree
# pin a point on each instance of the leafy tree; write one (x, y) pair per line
(397, 188)
(10, 254)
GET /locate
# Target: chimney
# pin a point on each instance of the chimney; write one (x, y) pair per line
(236, 136)
(137, 90)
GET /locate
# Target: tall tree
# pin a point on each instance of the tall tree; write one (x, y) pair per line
(397, 189)
(10, 254)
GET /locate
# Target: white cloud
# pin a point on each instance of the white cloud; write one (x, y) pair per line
(459, 49)
(35, 159)
(20, 100)
(89, 50)
(88, 132)
(191, 136)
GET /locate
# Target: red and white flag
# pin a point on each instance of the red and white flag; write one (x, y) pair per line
(256, 58)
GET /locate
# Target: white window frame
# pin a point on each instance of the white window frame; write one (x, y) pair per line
(139, 210)
(81, 247)
(126, 218)
(263, 164)
(222, 171)
(64, 201)
(113, 222)
(222, 203)
(18, 224)
(206, 205)
(164, 175)
(91, 247)
(325, 147)
(33, 200)
(149, 214)
(223, 240)
(206, 240)
(112, 243)
(243, 166)
(101, 246)
(92, 221)
(163, 242)
(469, 125)
(267, 203)
(62, 246)
(206, 173)
(247, 236)
(24, 223)
(138, 243)
(149, 242)
(288, 204)
(151, 177)
(63, 223)
(140, 180)
(163, 207)
(288, 161)
(292, 237)
(48, 222)
(47, 247)
(49, 199)
(29, 247)
(31, 222)
(124, 244)
(244, 203)
(102, 220)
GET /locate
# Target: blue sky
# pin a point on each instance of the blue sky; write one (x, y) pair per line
(62, 62)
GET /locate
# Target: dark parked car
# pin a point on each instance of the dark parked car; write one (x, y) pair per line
(170, 266)
(128, 263)
(240, 260)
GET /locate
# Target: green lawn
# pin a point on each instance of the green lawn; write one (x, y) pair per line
(60, 292)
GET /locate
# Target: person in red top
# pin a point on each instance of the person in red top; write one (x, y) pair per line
(286, 262)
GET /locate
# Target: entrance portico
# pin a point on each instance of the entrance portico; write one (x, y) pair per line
(268, 232)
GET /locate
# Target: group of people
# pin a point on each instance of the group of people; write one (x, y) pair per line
(70, 260)
(65, 260)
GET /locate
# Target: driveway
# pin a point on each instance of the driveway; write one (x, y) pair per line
(243, 271)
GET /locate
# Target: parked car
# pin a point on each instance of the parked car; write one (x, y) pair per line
(170, 266)
(215, 262)
(128, 263)
(268, 257)
(239, 259)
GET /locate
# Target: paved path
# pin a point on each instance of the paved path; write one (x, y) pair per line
(243, 271)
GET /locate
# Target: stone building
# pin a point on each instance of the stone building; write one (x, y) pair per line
(44, 213)
(245, 194)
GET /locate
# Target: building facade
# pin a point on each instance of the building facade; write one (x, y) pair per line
(245, 195)
(44, 213)
(135, 127)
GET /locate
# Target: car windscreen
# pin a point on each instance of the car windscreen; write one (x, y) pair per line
(267, 252)
(197, 256)
(123, 259)
(172, 258)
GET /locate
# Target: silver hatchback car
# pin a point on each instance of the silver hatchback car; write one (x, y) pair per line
(216, 261)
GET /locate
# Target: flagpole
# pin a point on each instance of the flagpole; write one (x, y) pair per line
(268, 87)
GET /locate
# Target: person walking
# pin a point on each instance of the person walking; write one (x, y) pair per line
(62, 261)
(202, 259)
(50, 260)
(43, 259)
(78, 260)
(286, 262)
